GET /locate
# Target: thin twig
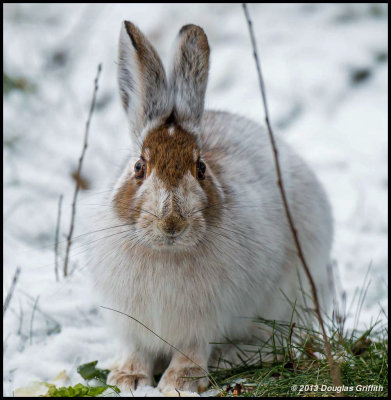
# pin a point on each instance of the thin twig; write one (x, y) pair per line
(210, 378)
(56, 324)
(11, 291)
(334, 370)
(292, 360)
(382, 309)
(56, 237)
(78, 173)
(20, 318)
(362, 295)
(32, 319)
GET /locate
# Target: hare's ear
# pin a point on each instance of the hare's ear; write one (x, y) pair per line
(189, 76)
(142, 80)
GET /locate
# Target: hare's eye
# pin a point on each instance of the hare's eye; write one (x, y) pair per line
(139, 169)
(201, 168)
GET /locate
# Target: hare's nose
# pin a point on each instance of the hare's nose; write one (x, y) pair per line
(172, 225)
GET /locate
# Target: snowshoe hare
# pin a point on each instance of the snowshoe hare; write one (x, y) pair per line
(197, 243)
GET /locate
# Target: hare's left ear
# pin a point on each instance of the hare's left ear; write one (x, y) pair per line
(189, 76)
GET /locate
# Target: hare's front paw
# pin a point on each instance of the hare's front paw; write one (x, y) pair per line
(128, 380)
(185, 378)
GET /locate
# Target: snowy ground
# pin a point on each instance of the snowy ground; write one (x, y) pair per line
(325, 68)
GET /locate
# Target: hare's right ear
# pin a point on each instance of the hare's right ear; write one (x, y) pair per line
(142, 80)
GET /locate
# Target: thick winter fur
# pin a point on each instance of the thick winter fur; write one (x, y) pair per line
(190, 257)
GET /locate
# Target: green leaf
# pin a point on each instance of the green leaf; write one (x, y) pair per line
(89, 371)
(79, 390)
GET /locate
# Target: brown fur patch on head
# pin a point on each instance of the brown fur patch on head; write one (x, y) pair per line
(123, 200)
(170, 153)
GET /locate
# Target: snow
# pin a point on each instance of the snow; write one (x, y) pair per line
(309, 53)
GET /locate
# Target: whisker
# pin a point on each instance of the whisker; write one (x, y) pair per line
(136, 209)
(236, 232)
(80, 247)
(207, 207)
(89, 233)
(85, 246)
(108, 254)
(129, 240)
(73, 238)
(89, 193)
(225, 236)
(226, 205)
(242, 245)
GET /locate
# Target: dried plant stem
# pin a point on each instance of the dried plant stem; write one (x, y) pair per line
(11, 291)
(334, 370)
(32, 319)
(78, 173)
(291, 358)
(56, 237)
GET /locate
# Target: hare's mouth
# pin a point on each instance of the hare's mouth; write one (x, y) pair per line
(170, 244)
(173, 241)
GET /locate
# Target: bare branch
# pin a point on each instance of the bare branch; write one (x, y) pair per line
(56, 237)
(11, 291)
(334, 370)
(77, 187)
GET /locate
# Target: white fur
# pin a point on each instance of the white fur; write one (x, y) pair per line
(199, 295)
(198, 290)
